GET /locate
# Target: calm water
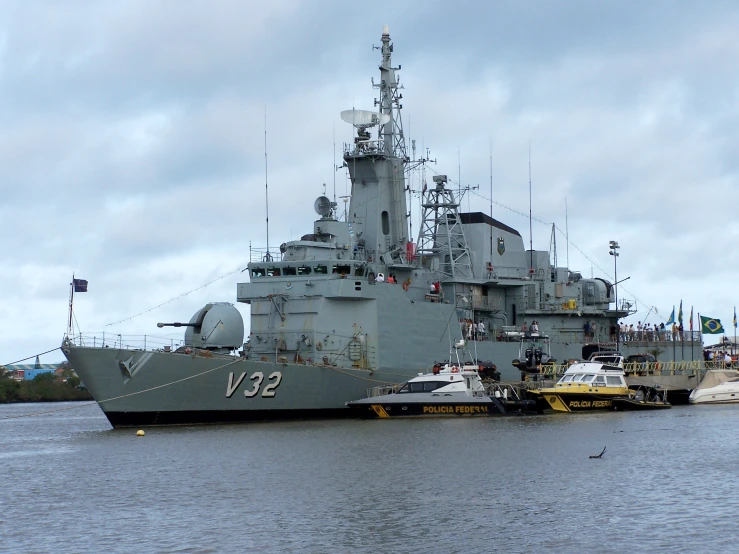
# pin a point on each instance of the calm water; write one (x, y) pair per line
(666, 483)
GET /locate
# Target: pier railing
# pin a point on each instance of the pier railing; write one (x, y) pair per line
(553, 371)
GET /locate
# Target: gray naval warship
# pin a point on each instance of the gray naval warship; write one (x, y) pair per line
(357, 304)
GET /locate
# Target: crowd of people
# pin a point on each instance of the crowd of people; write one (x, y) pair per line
(472, 330)
(648, 332)
(718, 357)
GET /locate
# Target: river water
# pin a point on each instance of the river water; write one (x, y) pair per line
(665, 483)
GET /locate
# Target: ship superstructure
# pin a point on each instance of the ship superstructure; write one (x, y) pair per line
(357, 302)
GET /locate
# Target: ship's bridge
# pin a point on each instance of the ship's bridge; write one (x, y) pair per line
(331, 268)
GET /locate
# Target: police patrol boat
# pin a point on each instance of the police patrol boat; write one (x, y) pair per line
(588, 385)
(322, 328)
(452, 389)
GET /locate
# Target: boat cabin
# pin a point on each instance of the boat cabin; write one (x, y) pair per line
(599, 371)
(447, 380)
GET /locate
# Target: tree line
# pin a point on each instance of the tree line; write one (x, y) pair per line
(45, 387)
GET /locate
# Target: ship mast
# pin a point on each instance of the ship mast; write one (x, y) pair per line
(389, 101)
(442, 245)
(377, 209)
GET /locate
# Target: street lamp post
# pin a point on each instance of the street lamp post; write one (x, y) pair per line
(613, 245)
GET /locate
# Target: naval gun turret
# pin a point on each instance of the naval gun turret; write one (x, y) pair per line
(217, 326)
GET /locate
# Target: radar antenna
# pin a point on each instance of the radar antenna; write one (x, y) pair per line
(362, 120)
(323, 206)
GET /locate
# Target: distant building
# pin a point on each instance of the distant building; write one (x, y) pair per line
(28, 372)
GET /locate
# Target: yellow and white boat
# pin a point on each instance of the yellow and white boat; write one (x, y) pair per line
(586, 386)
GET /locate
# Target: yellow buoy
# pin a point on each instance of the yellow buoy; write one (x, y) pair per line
(140, 433)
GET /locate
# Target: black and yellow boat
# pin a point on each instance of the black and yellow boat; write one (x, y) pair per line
(587, 386)
(450, 390)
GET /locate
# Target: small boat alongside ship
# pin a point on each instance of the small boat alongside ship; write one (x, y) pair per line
(641, 398)
(596, 384)
(452, 389)
(719, 386)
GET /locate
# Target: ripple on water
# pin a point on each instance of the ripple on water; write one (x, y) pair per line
(520, 485)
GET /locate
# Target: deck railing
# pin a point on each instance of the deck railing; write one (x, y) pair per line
(128, 342)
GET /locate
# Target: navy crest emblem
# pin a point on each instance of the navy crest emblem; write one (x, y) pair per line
(501, 245)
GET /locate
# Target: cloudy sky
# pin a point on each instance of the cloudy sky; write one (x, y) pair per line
(132, 142)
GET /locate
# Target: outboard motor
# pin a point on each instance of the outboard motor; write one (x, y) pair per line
(488, 370)
(529, 358)
(537, 356)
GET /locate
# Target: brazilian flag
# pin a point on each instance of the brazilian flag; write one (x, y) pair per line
(711, 326)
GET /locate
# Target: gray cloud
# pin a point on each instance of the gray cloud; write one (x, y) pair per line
(132, 140)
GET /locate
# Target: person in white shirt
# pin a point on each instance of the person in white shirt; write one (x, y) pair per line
(481, 330)
(380, 278)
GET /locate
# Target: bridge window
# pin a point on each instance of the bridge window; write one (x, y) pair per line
(288, 270)
(257, 272)
(341, 269)
(613, 381)
(273, 272)
(304, 270)
(321, 269)
(599, 381)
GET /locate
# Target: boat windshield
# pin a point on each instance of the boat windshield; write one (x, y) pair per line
(423, 386)
(613, 360)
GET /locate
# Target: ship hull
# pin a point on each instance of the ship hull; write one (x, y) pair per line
(137, 388)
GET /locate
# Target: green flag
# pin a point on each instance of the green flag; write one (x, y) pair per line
(711, 326)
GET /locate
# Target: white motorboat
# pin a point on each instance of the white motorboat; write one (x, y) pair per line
(719, 386)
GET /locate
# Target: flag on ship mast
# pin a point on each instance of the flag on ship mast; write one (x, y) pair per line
(80, 285)
(680, 314)
(734, 317)
(691, 318)
(671, 321)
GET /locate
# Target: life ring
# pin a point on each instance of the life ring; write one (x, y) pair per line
(455, 370)
(406, 284)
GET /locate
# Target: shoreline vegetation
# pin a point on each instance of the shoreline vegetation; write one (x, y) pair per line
(43, 388)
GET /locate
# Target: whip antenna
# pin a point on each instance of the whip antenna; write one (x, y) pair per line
(266, 188)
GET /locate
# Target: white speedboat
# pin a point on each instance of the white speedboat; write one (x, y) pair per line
(719, 386)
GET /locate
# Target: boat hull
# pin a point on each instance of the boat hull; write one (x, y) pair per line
(631, 404)
(380, 408)
(577, 402)
(711, 397)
